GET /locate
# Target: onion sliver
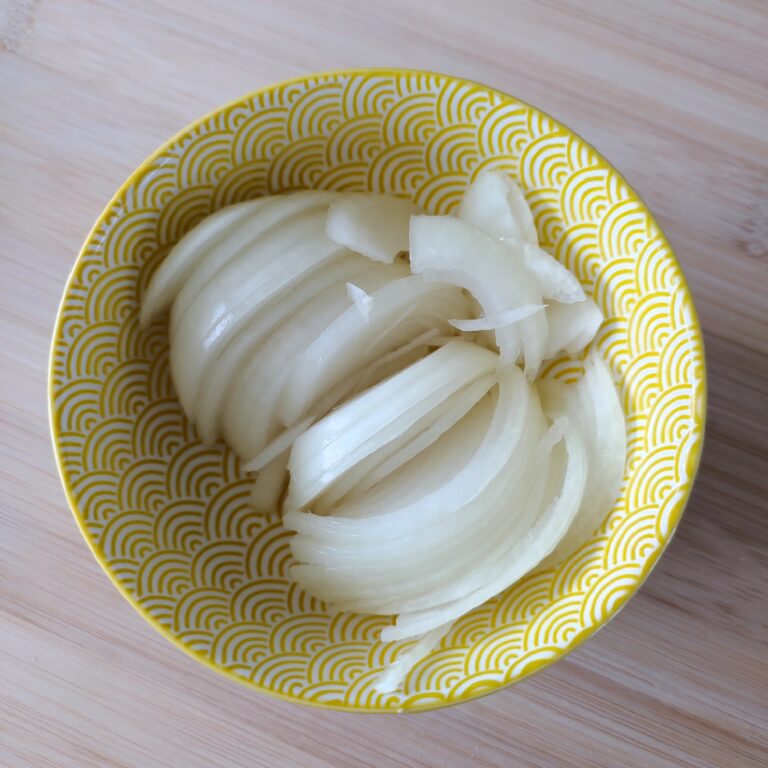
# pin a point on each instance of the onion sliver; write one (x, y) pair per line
(494, 203)
(398, 312)
(275, 263)
(499, 321)
(282, 214)
(424, 512)
(524, 554)
(556, 281)
(365, 424)
(249, 418)
(602, 422)
(572, 326)
(393, 676)
(219, 374)
(375, 226)
(180, 261)
(450, 250)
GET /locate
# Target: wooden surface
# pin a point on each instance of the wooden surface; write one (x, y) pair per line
(674, 93)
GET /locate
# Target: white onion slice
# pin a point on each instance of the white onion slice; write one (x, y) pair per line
(494, 203)
(602, 424)
(450, 250)
(277, 446)
(366, 424)
(499, 321)
(218, 375)
(375, 226)
(557, 282)
(381, 464)
(249, 418)
(572, 326)
(181, 260)
(498, 444)
(397, 312)
(276, 262)
(393, 676)
(524, 555)
(269, 484)
(284, 214)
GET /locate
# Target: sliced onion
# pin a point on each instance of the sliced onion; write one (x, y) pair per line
(499, 321)
(375, 226)
(394, 675)
(450, 250)
(602, 424)
(556, 281)
(269, 484)
(218, 376)
(249, 418)
(366, 424)
(572, 326)
(401, 519)
(381, 464)
(181, 260)
(277, 262)
(524, 554)
(397, 312)
(494, 203)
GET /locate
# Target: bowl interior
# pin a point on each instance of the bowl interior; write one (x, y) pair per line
(168, 518)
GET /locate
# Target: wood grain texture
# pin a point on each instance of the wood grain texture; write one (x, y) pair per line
(674, 93)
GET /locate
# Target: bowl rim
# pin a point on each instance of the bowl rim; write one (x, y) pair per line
(694, 458)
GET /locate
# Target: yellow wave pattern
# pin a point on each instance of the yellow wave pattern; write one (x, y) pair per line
(169, 518)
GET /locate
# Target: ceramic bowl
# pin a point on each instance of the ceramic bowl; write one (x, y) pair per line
(168, 519)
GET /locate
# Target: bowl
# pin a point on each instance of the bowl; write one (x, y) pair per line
(168, 519)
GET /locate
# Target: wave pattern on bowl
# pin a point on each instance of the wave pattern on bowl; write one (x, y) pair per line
(169, 519)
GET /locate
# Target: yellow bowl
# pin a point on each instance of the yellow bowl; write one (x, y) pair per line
(168, 519)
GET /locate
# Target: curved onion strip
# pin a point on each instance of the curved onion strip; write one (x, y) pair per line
(375, 226)
(524, 554)
(572, 326)
(381, 464)
(278, 261)
(450, 250)
(557, 282)
(390, 576)
(397, 312)
(249, 418)
(393, 676)
(498, 444)
(269, 484)
(498, 321)
(602, 423)
(217, 377)
(429, 470)
(494, 203)
(361, 300)
(239, 241)
(181, 260)
(365, 424)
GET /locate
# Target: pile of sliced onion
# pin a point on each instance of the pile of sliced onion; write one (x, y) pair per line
(377, 369)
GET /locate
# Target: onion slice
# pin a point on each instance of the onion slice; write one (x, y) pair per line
(572, 326)
(375, 226)
(450, 250)
(524, 554)
(499, 321)
(397, 312)
(269, 484)
(181, 260)
(365, 424)
(494, 203)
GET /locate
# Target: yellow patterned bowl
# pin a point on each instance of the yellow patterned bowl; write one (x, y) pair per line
(168, 519)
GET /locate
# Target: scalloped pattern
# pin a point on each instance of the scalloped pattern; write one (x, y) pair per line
(169, 520)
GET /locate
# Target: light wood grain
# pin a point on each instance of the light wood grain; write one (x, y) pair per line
(673, 93)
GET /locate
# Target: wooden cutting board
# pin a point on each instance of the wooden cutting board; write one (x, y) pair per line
(674, 93)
